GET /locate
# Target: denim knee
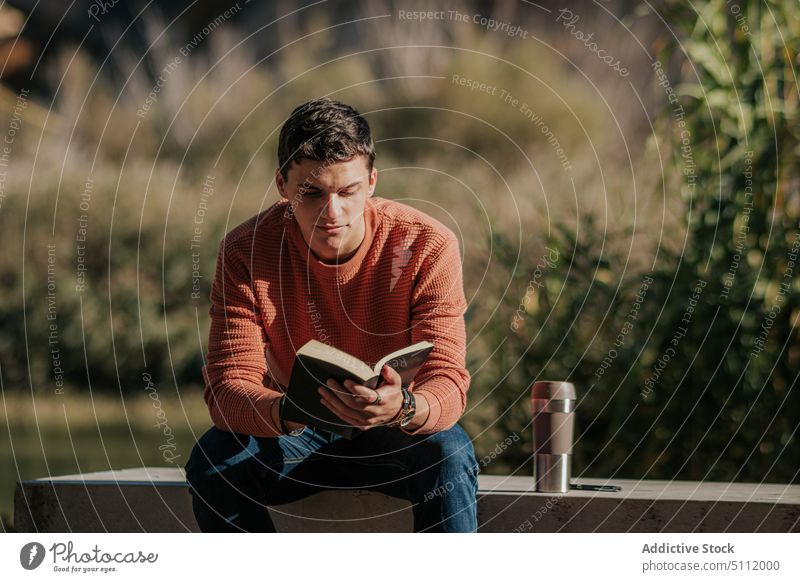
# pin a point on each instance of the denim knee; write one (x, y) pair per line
(226, 491)
(217, 452)
(451, 451)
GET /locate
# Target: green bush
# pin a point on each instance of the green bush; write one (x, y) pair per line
(723, 404)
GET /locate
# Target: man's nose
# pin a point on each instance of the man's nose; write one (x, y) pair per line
(333, 208)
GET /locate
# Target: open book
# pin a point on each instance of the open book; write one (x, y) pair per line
(316, 362)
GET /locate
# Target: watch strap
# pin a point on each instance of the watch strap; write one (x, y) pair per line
(406, 412)
(409, 408)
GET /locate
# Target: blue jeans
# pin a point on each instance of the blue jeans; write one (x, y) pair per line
(234, 477)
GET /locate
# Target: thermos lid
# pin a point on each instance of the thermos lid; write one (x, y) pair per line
(553, 391)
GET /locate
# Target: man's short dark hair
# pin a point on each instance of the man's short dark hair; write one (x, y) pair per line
(327, 131)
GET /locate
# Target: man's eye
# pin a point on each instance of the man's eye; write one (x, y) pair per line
(317, 193)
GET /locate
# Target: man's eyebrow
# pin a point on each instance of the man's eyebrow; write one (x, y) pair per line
(315, 187)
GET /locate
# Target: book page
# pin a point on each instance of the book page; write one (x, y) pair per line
(326, 353)
(400, 354)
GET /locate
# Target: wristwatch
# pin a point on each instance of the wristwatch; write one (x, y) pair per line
(407, 410)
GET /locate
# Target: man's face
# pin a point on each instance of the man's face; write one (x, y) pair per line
(327, 200)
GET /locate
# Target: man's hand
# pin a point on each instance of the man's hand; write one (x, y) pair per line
(356, 404)
(278, 422)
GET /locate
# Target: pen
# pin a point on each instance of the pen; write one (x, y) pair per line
(607, 488)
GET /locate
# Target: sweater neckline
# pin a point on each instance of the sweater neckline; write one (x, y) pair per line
(335, 270)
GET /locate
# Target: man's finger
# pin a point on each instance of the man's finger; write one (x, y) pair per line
(344, 412)
(340, 414)
(361, 392)
(356, 396)
(368, 395)
(340, 393)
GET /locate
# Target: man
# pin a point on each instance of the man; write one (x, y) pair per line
(365, 275)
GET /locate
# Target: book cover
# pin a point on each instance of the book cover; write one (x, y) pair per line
(316, 362)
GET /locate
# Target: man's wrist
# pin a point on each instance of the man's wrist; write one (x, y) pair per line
(285, 427)
(421, 415)
(395, 420)
(412, 415)
(406, 410)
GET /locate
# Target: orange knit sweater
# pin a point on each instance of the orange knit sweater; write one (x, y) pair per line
(271, 295)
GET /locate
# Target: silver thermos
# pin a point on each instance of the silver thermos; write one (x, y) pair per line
(553, 410)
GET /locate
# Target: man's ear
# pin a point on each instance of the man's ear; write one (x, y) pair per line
(373, 180)
(280, 182)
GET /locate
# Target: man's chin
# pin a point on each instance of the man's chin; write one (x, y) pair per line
(326, 253)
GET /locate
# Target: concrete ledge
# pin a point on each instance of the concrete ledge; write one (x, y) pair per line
(153, 499)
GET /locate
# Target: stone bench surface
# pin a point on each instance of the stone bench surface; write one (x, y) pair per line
(156, 499)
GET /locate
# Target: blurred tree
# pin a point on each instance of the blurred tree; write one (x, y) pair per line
(703, 383)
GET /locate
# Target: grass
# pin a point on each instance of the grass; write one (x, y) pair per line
(81, 433)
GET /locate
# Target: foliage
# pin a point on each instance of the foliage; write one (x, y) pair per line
(723, 404)
(713, 412)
